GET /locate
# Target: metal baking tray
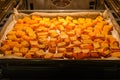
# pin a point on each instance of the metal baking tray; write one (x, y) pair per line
(83, 13)
(95, 68)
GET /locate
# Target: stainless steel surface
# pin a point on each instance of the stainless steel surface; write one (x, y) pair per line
(58, 11)
(4, 3)
(19, 4)
(114, 6)
(5, 8)
(61, 3)
(58, 4)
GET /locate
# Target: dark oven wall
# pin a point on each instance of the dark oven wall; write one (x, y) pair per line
(60, 4)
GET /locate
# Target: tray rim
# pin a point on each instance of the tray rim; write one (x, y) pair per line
(47, 11)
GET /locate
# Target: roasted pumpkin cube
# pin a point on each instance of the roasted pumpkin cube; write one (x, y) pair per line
(40, 53)
(34, 43)
(48, 55)
(53, 33)
(62, 44)
(5, 48)
(58, 55)
(24, 50)
(61, 50)
(63, 35)
(8, 52)
(77, 50)
(16, 49)
(52, 50)
(96, 45)
(18, 54)
(68, 54)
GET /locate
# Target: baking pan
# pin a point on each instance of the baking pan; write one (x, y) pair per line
(52, 13)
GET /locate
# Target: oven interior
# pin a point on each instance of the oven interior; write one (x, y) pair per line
(58, 69)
